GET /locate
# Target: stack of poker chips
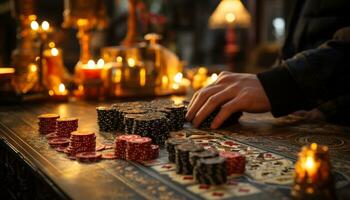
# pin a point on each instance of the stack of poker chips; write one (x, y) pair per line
(81, 141)
(135, 148)
(129, 122)
(182, 158)
(195, 156)
(229, 121)
(171, 143)
(153, 125)
(139, 149)
(235, 162)
(105, 118)
(177, 116)
(47, 123)
(210, 171)
(121, 144)
(65, 126)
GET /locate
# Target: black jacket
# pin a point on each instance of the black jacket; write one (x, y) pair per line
(312, 75)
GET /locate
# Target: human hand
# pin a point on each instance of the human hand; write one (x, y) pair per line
(233, 92)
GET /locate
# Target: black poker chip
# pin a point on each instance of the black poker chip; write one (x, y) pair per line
(171, 143)
(182, 158)
(229, 121)
(210, 171)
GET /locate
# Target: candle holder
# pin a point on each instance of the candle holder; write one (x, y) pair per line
(313, 178)
(84, 16)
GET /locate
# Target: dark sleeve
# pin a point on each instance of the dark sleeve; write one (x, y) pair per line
(337, 110)
(311, 77)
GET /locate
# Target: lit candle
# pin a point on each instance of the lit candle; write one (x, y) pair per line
(312, 177)
(91, 71)
(53, 61)
(60, 93)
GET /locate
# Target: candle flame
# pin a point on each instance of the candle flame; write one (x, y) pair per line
(309, 163)
(118, 76)
(34, 25)
(61, 88)
(33, 67)
(54, 51)
(91, 64)
(119, 59)
(178, 77)
(52, 44)
(45, 26)
(100, 63)
(176, 86)
(131, 62)
(51, 92)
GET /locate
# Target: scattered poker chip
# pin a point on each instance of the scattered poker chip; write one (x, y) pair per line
(210, 171)
(88, 156)
(109, 146)
(235, 162)
(52, 136)
(100, 147)
(47, 123)
(109, 156)
(182, 160)
(59, 142)
(60, 149)
(229, 121)
(170, 146)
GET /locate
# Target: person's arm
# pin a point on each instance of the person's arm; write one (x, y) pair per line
(300, 83)
(310, 78)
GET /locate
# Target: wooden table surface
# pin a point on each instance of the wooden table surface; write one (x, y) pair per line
(121, 179)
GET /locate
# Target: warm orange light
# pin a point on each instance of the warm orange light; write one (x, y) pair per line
(119, 59)
(230, 17)
(34, 25)
(51, 93)
(165, 81)
(52, 44)
(178, 77)
(143, 77)
(7, 70)
(61, 88)
(118, 76)
(214, 77)
(91, 64)
(33, 67)
(131, 62)
(100, 63)
(54, 51)
(45, 26)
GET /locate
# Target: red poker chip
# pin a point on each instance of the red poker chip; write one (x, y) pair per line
(56, 142)
(88, 156)
(100, 147)
(51, 135)
(61, 149)
(109, 156)
(235, 162)
(48, 116)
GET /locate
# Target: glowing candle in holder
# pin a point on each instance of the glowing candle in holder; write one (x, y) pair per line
(60, 93)
(91, 71)
(312, 177)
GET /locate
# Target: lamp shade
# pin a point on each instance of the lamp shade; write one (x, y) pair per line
(230, 13)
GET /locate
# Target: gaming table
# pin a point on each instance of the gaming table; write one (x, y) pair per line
(30, 169)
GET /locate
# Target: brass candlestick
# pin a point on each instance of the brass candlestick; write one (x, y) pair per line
(85, 16)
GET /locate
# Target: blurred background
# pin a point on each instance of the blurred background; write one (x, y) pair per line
(183, 24)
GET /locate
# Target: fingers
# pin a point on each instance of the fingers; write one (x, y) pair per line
(200, 99)
(235, 105)
(214, 102)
